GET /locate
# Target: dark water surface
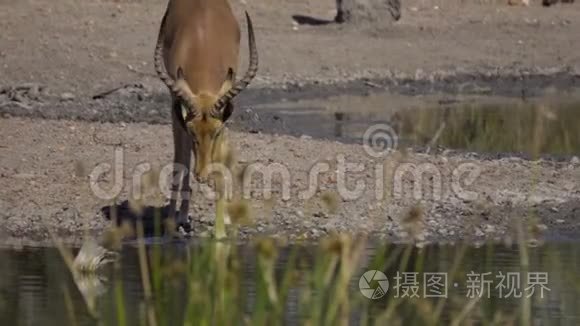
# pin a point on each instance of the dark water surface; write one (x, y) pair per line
(523, 128)
(34, 283)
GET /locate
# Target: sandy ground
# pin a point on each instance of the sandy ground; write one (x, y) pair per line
(71, 50)
(47, 185)
(83, 47)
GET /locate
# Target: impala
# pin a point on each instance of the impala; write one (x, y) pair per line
(197, 58)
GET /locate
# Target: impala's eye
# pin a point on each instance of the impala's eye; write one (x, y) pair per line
(227, 112)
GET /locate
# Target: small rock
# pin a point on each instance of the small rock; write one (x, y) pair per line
(320, 215)
(479, 233)
(542, 227)
(67, 96)
(23, 176)
(575, 160)
(489, 228)
(560, 221)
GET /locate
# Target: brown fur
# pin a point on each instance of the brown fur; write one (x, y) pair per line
(203, 38)
(197, 58)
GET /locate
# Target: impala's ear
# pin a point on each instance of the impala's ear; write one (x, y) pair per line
(180, 114)
(180, 73)
(230, 76)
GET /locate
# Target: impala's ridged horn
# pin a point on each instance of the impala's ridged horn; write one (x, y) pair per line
(178, 87)
(239, 86)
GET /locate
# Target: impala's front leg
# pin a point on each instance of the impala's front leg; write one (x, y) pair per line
(183, 146)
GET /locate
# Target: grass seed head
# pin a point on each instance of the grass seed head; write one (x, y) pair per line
(413, 220)
(229, 158)
(266, 247)
(330, 200)
(240, 211)
(151, 179)
(241, 173)
(136, 206)
(113, 236)
(334, 244)
(414, 216)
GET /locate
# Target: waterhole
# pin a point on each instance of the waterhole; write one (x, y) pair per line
(539, 285)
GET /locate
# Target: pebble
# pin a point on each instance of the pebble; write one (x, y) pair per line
(542, 227)
(320, 215)
(315, 233)
(489, 228)
(67, 96)
(23, 176)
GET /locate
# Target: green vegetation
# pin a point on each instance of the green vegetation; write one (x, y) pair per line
(270, 283)
(531, 129)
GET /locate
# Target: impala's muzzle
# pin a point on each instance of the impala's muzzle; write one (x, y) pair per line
(208, 154)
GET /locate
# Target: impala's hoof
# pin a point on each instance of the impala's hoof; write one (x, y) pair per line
(184, 227)
(184, 233)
